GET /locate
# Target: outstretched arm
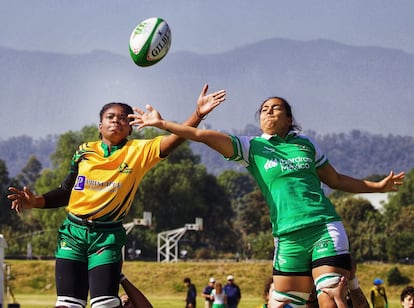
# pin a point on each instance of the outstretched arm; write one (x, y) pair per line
(335, 180)
(205, 104)
(216, 140)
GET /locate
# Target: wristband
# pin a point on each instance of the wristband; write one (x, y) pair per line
(122, 277)
(353, 284)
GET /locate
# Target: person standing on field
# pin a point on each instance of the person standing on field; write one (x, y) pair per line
(378, 295)
(190, 300)
(233, 292)
(207, 291)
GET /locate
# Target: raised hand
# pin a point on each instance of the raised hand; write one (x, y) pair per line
(392, 181)
(207, 102)
(142, 118)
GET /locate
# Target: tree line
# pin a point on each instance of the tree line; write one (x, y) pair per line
(235, 216)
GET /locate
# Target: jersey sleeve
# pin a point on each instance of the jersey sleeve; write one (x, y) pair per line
(320, 158)
(241, 147)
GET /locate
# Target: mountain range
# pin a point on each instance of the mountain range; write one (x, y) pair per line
(332, 87)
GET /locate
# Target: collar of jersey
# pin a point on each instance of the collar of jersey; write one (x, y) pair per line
(108, 153)
(268, 137)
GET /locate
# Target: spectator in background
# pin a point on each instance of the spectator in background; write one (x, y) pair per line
(206, 293)
(190, 300)
(378, 295)
(233, 292)
(218, 296)
(407, 297)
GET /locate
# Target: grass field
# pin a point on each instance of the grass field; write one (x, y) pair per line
(33, 281)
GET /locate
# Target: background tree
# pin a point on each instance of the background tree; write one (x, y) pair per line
(237, 185)
(365, 228)
(30, 173)
(399, 215)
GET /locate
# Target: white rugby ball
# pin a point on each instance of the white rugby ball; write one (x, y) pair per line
(150, 41)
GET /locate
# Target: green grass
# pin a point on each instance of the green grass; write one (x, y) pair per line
(33, 281)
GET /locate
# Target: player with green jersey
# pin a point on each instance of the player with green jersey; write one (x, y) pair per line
(98, 193)
(311, 245)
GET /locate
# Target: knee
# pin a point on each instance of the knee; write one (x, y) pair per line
(69, 302)
(105, 302)
(288, 299)
(329, 280)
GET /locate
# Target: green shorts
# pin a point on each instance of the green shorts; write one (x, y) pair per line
(295, 252)
(94, 245)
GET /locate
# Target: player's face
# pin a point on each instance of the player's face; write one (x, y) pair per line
(408, 301)
(274, 118)
(114, 126)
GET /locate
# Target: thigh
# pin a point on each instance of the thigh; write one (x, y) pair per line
(105, 246)
(72, 242)
(330, 241)
(293, 283)
(293, 253)
(104, 280)
(71, 279)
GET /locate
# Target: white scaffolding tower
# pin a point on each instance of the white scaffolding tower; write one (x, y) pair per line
(167, 241)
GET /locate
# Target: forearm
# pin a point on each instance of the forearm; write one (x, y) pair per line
(39, 202)
(58, 197)
(182, 130)
(358, 298)
(352, 185)
(172, 141)
(216, 140)
(136, 297)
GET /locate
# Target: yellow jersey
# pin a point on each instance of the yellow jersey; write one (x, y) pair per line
(106, 182)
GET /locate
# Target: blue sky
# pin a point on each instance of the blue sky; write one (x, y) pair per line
(79, 26)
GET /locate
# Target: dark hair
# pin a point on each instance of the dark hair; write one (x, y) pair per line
(409, 290)
(267, 285)
(288, 109)
(186, 279)
(127, 108)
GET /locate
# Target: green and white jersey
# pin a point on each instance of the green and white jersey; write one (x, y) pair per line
(285, 170)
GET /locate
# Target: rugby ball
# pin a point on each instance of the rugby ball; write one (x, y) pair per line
(150, 41)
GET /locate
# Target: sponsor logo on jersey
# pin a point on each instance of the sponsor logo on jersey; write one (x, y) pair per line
(267, 150)
(123, 168)
(64, 246)
(322, 246)
(80, 183)
(291, 164)
(270, 163)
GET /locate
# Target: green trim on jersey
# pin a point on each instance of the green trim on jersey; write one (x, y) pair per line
(285, 170)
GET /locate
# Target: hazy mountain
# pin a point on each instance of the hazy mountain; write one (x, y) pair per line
(332, 87)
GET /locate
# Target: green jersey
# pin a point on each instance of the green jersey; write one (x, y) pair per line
(285, 170)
